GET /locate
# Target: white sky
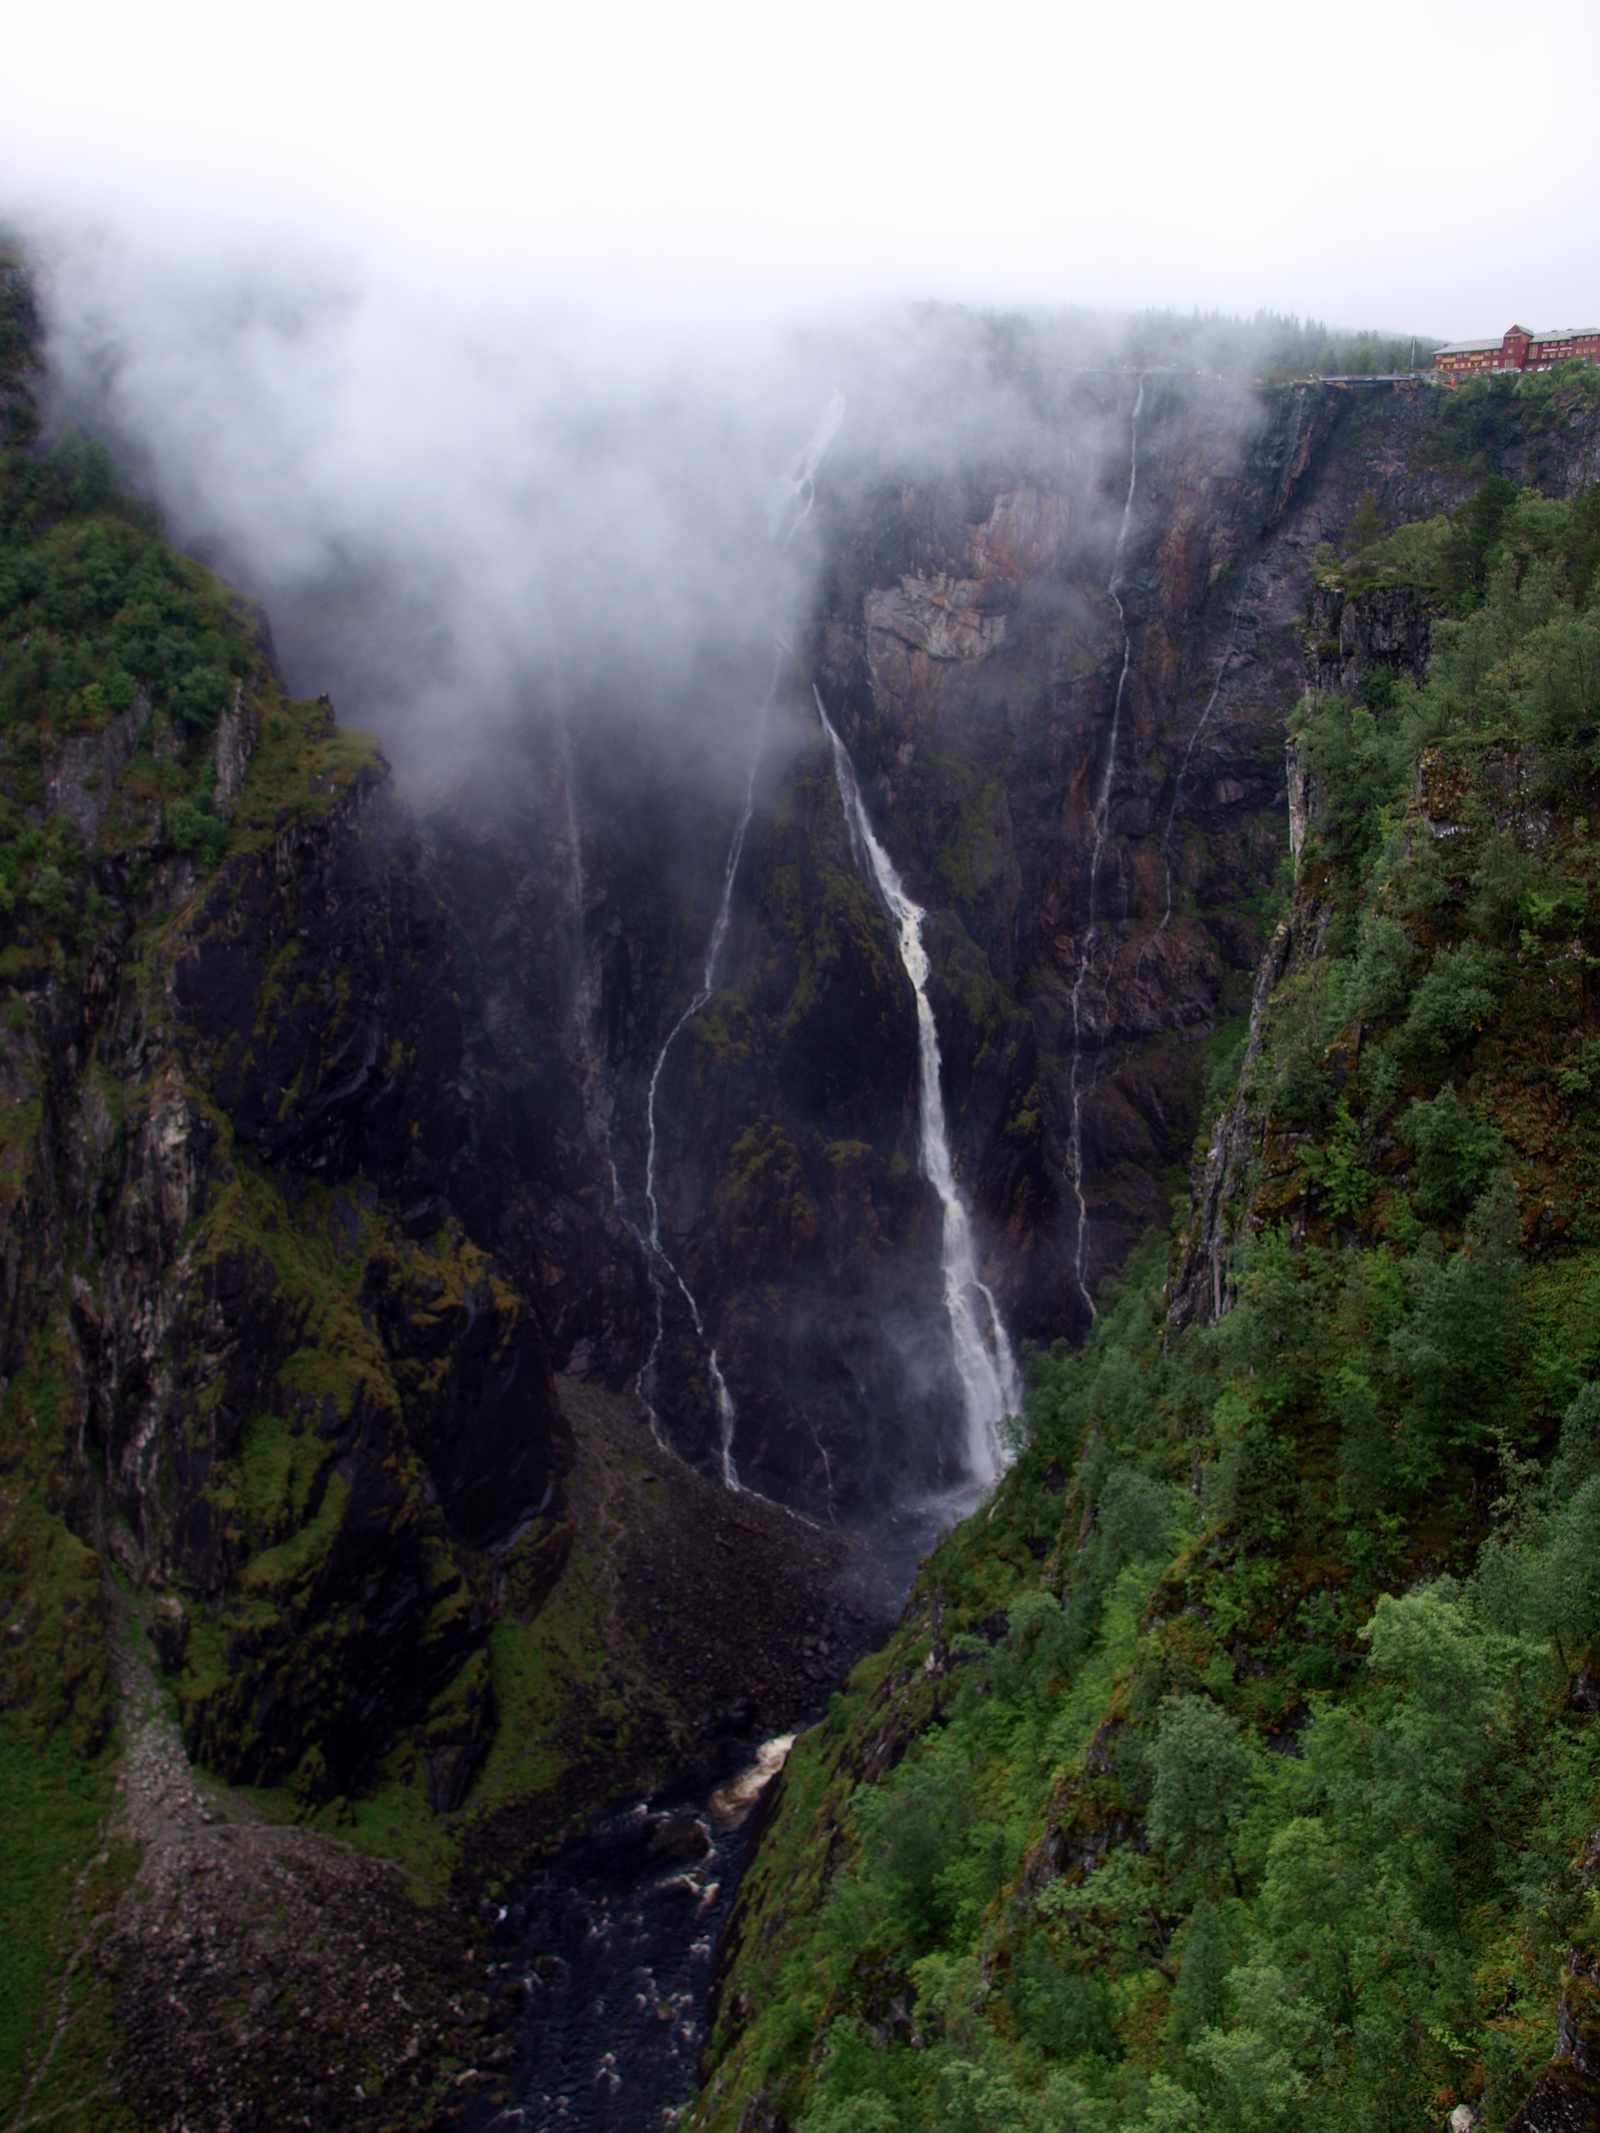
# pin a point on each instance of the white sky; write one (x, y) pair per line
(1373, 162)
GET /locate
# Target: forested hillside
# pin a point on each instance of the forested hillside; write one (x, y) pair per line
(1239, 1767)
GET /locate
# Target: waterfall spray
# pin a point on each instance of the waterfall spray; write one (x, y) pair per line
(1097, 830)
(990, 1386)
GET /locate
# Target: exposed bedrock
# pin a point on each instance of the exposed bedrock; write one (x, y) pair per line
(1100, 878)
(308, 1403)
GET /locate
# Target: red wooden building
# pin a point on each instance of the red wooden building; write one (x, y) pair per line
(1518, 349)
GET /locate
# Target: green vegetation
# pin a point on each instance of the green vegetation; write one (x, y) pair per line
(1502, 527)
(58, 1882)
(1239, 1767)
(1310, 350)
(100, 621)
(118, 659)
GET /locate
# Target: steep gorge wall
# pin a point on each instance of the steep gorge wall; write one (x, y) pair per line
(966, 643)
(324, 1146)
(975, 1894)
(303, 1402)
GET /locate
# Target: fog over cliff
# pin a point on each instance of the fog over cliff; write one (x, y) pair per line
(793, 1144)
(460, 509)
(593, 577)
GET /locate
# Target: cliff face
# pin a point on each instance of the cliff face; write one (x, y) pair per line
(329, 1178)
(1066, 707)
(302, 1404)
(1253, 1724)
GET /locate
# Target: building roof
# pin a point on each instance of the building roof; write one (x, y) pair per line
(1543, 333)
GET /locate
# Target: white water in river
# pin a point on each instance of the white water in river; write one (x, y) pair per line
(1097, 831)
(990, 1386)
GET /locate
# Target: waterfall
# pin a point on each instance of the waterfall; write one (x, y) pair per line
(791, 507)
(1097, 831)
(796, 493)
(990, 1387)
(722, 1399)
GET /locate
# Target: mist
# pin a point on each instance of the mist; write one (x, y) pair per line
(464, 514)
(470, 513)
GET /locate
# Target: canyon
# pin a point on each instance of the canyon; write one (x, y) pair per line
(489, 1322)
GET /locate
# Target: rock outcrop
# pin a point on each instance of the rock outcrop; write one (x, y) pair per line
(305, 1402)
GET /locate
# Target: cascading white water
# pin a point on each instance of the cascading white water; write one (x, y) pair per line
(1097, 830)
(990, 1386)
(790, 509)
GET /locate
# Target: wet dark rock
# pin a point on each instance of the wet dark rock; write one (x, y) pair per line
(169, 1632)
(680, 1836)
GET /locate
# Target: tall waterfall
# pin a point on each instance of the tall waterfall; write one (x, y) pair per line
(990, 1386)
(790, 508)
(722, 1399)
(1097, 831)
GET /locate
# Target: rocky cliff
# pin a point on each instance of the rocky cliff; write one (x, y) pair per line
(1065, 681)
(1235, 1766)
(354, 1318)
(288, 1481)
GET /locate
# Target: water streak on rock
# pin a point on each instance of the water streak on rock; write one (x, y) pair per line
(722, 1399)
(791, 507)
(1097, 831)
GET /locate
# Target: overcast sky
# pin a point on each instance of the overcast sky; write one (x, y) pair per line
(1379, 162)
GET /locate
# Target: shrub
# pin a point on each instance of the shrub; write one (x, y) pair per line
(1458, 996)
(1457, 1154)
(1201, 1771)
(194, 831)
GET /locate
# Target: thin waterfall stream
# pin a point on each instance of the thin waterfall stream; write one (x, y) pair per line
(727, 1417)
(790, 509)
(990, 1385)
(1098, 820)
